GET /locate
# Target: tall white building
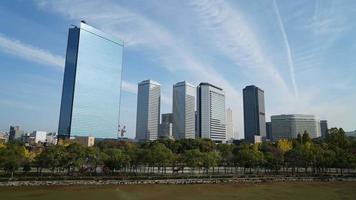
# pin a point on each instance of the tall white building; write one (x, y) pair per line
(148, 110)
(289, 126)
(183, 110)
(211, 112)
(229, 125)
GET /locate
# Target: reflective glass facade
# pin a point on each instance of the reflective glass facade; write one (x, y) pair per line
(92, 84)
(254, 113)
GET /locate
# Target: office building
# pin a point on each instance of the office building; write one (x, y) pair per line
(91, 85)
(324, 128)
(87, 141)
(254, 113)
(289, 126)
(39, 136)
(15, 133)
(211, 112)
(269, 130)
(229, 125)
(148, 110)
(183, 110)
(51, 138)
(166, 126)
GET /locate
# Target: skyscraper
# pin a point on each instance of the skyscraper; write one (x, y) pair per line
(211, 112)
(229, 125)
(148, 110)
(324, 128)
(254, 113)
(91, 85)
(183, 110)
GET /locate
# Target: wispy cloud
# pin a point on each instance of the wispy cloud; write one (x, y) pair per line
(236, 39)
(173, 53)
(288, 49)
(29, 52)
(42, 56)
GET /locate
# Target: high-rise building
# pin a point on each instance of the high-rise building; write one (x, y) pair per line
(211, 112)
(254, 113)
(269, 130)
(91, 85)
(148, 110)
(324, 128)
(183, 110)
(289, 126)
(166, 126)
(229, 125)
(15, 133)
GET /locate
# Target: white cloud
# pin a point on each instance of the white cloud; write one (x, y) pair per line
(29, 52)
(129, 87)
(288, 49)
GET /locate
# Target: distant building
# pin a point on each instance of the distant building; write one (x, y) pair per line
(211, 112)
(254, 112)
(183, 110)
(51, 138)
(39, 136)
(15, 133)
(351, 133)
(324, 128)
(91, 84)
(166, 127)
(148, 110)
(289, 126)
(87, 141)
(269, 130)
(229, 125)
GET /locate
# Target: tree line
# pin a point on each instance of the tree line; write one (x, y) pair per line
(318, 156)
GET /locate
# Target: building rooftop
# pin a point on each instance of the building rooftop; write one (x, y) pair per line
(211, 85)
(148, 82)
(99, 33)
(182, 83)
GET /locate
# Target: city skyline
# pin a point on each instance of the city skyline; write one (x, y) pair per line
(292, 56)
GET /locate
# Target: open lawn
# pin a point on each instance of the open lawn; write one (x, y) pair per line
(273, 191)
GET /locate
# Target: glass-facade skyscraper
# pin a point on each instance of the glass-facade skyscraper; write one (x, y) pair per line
(91, 85)
(211, 122)
(254, 113)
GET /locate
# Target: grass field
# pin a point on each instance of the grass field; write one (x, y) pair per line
(273, 191)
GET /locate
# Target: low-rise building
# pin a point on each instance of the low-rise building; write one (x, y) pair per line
(289, 126)
(87, 141)
(51, 138)
(166, 127)
(39, 136)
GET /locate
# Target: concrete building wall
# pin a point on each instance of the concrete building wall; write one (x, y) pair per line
(148, 110)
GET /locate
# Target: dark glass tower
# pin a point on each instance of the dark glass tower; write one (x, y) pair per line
(91, 85)
(254, 113)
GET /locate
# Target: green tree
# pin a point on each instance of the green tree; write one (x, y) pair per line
(11, 158)
(74, 157)
(115, 159)
(193, 159)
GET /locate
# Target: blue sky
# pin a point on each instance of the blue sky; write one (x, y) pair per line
(301, 53)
